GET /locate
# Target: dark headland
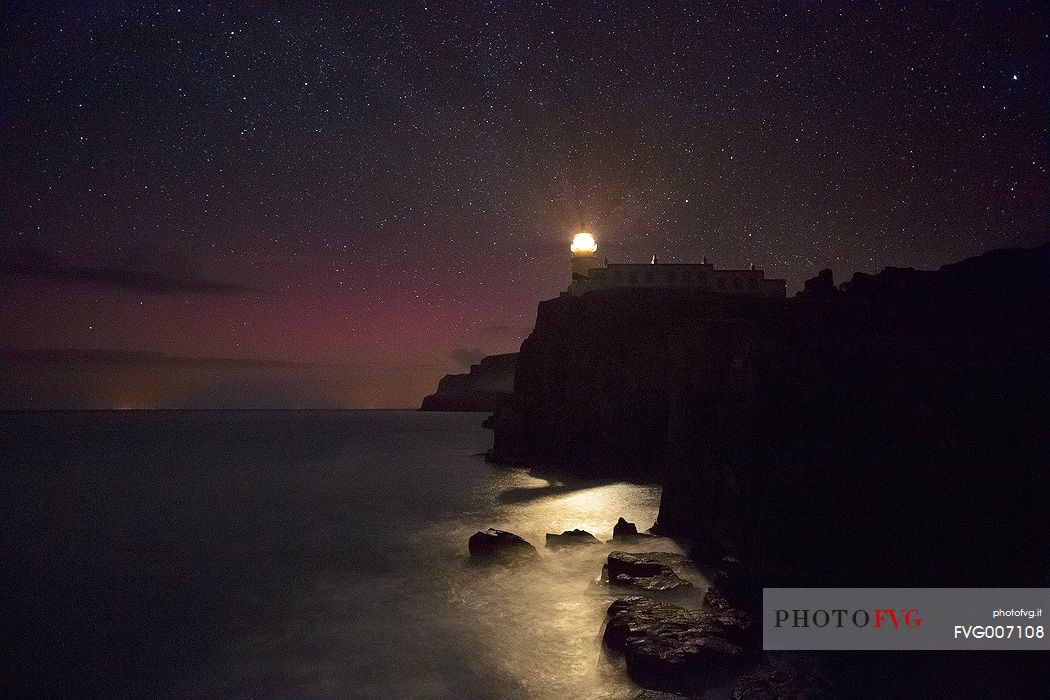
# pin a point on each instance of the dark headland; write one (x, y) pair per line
(485, 387)
(888, 431)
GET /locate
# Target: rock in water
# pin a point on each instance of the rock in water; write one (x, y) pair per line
(624, 530)
(667, 647)
(647, 571)
(571, 538)
(492, 545)
(642, 563)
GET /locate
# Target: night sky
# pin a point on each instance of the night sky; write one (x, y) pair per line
(333, 204)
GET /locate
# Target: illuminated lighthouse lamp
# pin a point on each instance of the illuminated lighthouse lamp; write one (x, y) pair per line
(583, 244)
(583, 259)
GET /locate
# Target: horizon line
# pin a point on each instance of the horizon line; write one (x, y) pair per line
(218, 409)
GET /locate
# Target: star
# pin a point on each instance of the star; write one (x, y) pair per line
(446, 156)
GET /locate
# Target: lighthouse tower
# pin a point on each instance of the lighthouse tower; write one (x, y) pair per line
(583, 256)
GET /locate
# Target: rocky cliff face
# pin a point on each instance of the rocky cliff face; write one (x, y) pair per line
(487, 386)
(597, 377)
(891, 431)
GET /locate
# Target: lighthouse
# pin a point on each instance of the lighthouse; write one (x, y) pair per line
(583, 256)
(588, 275)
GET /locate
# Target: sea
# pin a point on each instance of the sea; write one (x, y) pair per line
(307, 554)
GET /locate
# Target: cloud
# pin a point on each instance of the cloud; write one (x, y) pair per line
(33, 261)
(465, 357)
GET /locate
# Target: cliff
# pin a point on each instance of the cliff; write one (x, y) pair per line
(889, 431)
(487, 386)
(596, 377)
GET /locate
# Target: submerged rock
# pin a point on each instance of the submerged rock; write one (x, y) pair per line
(667, 647)
(500, 545)
(646, 571)
(643, 563)
(571, 538)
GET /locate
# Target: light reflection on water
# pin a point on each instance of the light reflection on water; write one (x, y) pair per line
(536, 506)
(438, 626)
(286, 554)
(537, 624)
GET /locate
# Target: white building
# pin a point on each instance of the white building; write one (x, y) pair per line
(588, 274)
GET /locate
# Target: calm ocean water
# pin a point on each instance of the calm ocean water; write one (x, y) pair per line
(276, 554)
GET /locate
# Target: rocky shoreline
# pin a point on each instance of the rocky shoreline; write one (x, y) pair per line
(670, 631)
(809, 439)
(877, 433)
